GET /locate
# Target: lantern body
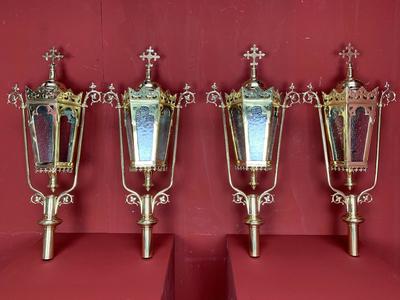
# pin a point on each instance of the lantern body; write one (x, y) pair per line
(148, 116)
(53, 119)
(349, 115)
(254, 116)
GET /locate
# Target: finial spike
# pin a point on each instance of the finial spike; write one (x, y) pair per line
(150, 55)
(52, 55)
(254, 55)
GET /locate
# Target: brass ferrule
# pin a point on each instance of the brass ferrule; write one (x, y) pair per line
(254, 222)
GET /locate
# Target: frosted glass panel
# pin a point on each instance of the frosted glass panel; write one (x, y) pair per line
(44, 129)
(257, 124)
(67, 129)
(129, 133)
(359, 128)
(335, 121)
(145, 132)
(165, 122)
(238, 131)
(272, 133)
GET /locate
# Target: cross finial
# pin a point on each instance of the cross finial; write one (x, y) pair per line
(348, 53)
(150, 55)
(254, 55)
(52, 55)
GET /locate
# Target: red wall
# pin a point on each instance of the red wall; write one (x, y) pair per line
(201, 42)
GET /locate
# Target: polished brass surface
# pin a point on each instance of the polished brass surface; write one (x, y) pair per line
(161, 110)
(56, 103)
(348, 98)
(250, 101)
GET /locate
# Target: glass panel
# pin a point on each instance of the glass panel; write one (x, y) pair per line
(67, 132)
(359, 128)
(165, 122)
(129, 133)
(44, 130)
(272, 133)
(335, 131)
(238, 131)
(145, 132)
(257, 122)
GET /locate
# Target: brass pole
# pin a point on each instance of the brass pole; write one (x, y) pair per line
(353, 220)
(147, 221)
(254, 222)
(49, 223)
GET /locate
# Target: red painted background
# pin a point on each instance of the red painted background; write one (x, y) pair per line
(201, 42)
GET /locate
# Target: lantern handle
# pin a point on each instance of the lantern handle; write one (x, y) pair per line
(189, 97)
(213, 97)
(291, 97)
(308, 97)
(388, 96)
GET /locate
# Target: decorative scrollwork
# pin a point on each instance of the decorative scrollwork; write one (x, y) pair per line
(93, 95)
(267, 199)
(338, 198)
(65, 199)
(310, 96)
(239, 198)
(16, 96)
(364, 198)
(292, 97)
(214, 95)
(388, 96)
(133, 199)
(37, 199)
(187, 95)
(160, 199)
(110, 96)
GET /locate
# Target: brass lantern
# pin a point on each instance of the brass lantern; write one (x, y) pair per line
(348, 114)
(256, 115)
(150, 115)
(55, 117)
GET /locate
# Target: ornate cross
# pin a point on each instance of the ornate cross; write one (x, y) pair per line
(149, 55)
(52, 55)
(348, 53)
(254, 55)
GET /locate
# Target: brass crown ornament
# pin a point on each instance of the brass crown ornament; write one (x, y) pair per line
(55, 117)
(256, 116)
(150, 116)
(348, 114)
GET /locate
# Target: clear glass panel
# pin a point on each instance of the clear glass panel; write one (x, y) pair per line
(163, 134)
(272, 132)
(359, 128)
(129, 133)
(44, 131)
(238, 131)
(67, 133)
(257, 122)
(145, 131)
(335, 131)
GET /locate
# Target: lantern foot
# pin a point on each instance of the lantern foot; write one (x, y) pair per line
(147, 221)
(353, 220)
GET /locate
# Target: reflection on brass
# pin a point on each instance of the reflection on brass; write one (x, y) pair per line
(149, 115)
(55, 117)
(256, 116)
(347, 116)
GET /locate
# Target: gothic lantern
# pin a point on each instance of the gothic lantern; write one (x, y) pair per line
(256, 115)
(150, 114)
(55, 117)
(348, 115)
